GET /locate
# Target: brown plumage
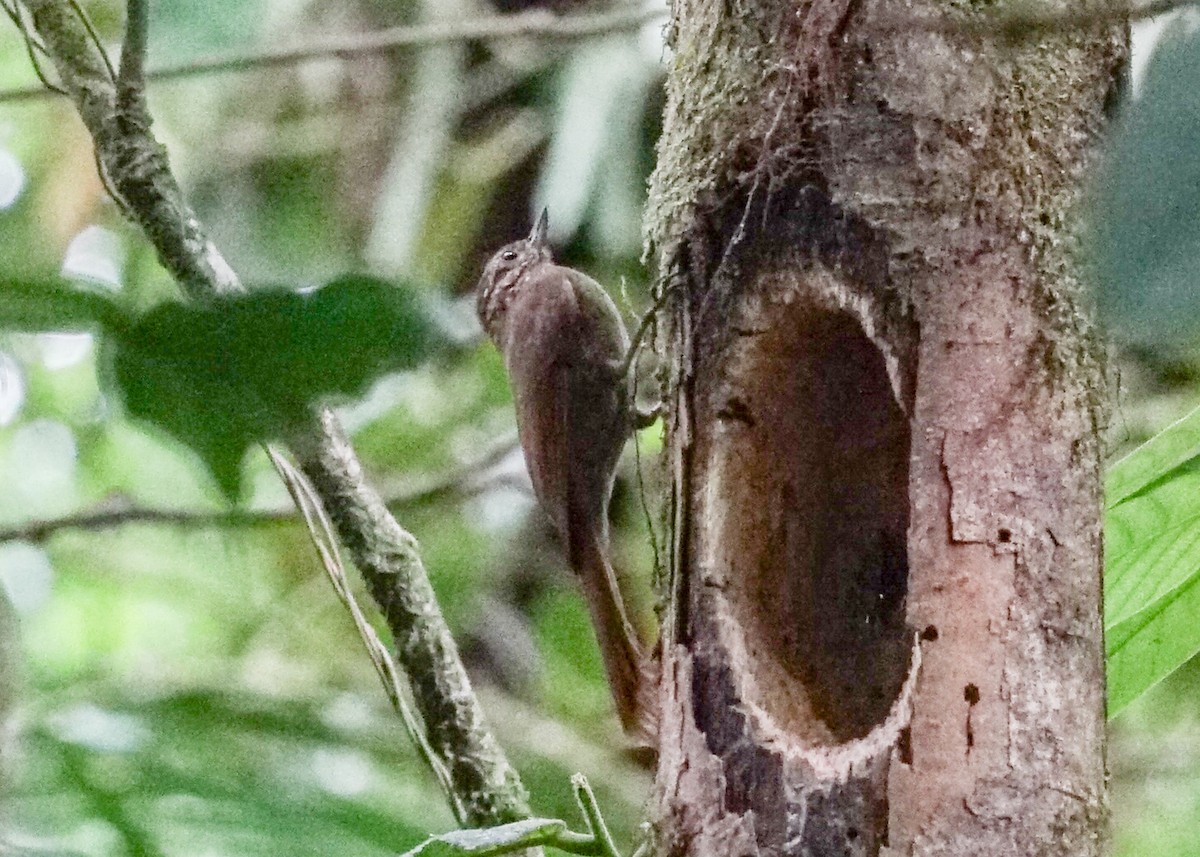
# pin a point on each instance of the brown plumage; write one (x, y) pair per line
(564, 345)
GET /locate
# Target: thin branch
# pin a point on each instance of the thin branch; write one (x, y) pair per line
(456, 483)
(15, 15)
(36, 64)
(591, 814)
(384, 552)
(101, 170)
(391, 564)
(131, 80)
(134, 162)
(537, 24)
(86, 20)
(649, 317)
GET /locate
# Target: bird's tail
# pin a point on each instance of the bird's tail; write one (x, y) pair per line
(631, 674)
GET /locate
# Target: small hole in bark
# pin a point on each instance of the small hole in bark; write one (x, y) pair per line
(971, 694)
(1005, 535)
(852, 834)
(904, 746)
(737, 410)
(930, 633)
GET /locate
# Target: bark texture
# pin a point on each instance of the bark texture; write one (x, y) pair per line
(884, 632)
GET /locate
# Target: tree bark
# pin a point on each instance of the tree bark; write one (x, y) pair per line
(884, 631)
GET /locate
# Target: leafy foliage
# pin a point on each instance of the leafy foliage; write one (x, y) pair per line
(146, 769)
(33, 307)
(221, 375)
(1152, 583)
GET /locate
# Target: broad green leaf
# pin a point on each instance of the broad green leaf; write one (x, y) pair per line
(488, 841)
(1152, 562)
(1146, 647)
(1173, 447)
(222, 375)
(55, 306)
(1146, 236)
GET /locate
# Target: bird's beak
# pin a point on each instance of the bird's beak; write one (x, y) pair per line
(537, 235)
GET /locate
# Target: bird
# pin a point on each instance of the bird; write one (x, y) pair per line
(565, 347)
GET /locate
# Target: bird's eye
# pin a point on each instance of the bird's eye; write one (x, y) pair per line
(508, 255)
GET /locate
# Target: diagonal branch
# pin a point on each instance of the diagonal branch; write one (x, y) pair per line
(386, 555)
(134, 162)
(319, 529)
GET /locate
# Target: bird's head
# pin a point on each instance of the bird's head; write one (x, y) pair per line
(503, 272)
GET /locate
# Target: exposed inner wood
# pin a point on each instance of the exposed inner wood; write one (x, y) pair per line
(812, 457)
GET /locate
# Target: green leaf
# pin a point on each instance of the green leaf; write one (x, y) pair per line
(1146, 237)
(1147, 647)
(1174, 447)
(56, 306)
(487, 841)
(1152, 561)
(222, 375)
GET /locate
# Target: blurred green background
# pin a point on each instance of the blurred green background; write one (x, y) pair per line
(195, 688)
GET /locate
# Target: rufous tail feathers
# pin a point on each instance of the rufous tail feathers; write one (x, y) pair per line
(632, 675)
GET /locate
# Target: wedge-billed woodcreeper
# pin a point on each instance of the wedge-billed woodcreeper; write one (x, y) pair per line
(564, 346)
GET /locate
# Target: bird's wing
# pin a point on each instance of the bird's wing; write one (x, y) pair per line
(542, 319)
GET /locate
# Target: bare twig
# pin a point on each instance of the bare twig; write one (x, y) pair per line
(134, 162)
(538, 24)
(591, 814)
(131, 81)
(101, 170)
(456, 483)
(649, 317)
(389, 559)
(387, 556)
(86, 20)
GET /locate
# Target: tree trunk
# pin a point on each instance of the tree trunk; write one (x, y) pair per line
(884, 631)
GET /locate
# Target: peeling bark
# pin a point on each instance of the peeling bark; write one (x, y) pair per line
(884, 629)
